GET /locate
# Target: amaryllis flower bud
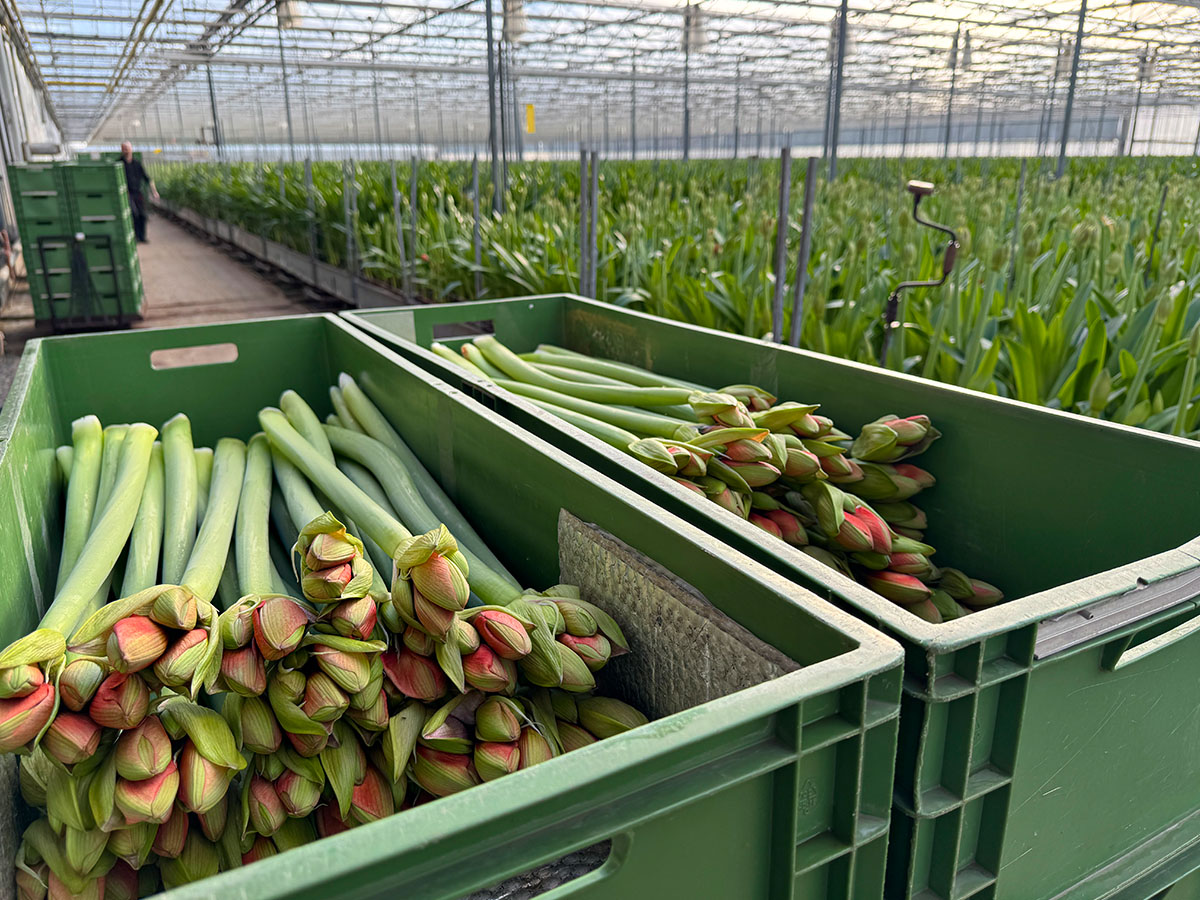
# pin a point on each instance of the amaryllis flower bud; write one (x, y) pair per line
(212, 823)
(298, 795)
(983, 595)
(897, 587)
(279, 625)
(260, 729)
(199, 859)
(262, 848)
(766, 525)
(373, 717)
(437, 620)
(267, 813)
(903, 514)
(751, 396)
(730, 500)
(371, 799)
(202, 783)
(854, 534)
(237, 625)
(349, 671)
(493, 760)
(308, 745)
(498, 719)
(21, 718)
(927, 610)
(910, 564)
(747, 451)
(573, 736)
(415, 676)
(446, 734)
(486, 671)
(504, 633)
(789, 527)
(83, 847)
(802, 464)
(605, 717)
(329, 822)
(355, 618)
(324, 701)
(578, 619)
(955, 583)
(533, 747)
(881, 533)
(243, 671)
(367, 696)
(132, 843)
(329, 549)
(910, 430)
(441, 582)
(20, 681)
(144, 751)
(121, 702)
(919, 475)
(756, 474)
(594, 651)
(326, 585)
(172, 834)
(442, 774)
(56, 889)
(150, 800)
(270, 766)
(418, 641)
(466, 636)
(78, 683)
(720, 408)
(135, 643)
(690, 485)
(121, 882)
(175, 607)
(577, 677)
(565, 706)
(841, 469)
(181, 659)
(71, 738)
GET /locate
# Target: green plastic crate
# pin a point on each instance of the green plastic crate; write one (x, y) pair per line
(779, 790)
(1027, 731)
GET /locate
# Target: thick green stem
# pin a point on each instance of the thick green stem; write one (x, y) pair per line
(108, 538)
(342, 415)
(570, 374)
(610, 434)
(110, 458)
(88, 439)
(302, 504)
(305, 421)
(366, 481)
(227, 587)
(515, 367)
(180, 489)
(625, 372)
(458, 359)
(442, 508)
(145, 542)
(643, 423)
(472, 354)
(204, 467)
(65, 457)
(252, 545)
(212, 543)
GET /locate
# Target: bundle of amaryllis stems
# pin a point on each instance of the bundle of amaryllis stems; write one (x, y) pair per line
(791, 472)
(230, 706)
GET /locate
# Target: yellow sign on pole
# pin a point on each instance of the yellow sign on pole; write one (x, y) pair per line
(529, 129)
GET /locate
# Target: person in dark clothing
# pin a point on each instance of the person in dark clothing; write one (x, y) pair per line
(136, 180)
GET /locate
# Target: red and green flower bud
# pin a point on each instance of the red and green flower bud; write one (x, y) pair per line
(927, 610)
(175, 607)
(442, 774)
(244, 671)
(484, 670)
(172, 834)
(766, 525)
(747, 451)
(135, 643)
(237, 625)
(732, 501)
(144, 751)
(279, 624)
(802, 464)
(903, 514)
(298, 795)
(22, 718)
(202, 783)
(20, 681)
(789, 527)
(947, 606)
(31, 882)
(267, 812)
(121, 882)
(132, 844)
(290, 683)
(911, 564)
(910, 430)
(349, 671)
(199, 859)
(260, 729)
(329, 549)
(504, 633)
(595, 651)
(914, 473)
(78, 683)
(437, 620)
(326, 585)
(533, 747)
(329, 822)
(605, 717)
(419, 641)
(983, 595)
(371, 799)
(752, 397)
(493, 759)
(956, 583)
(150, 800)
(324, 701)
(212, 823)
(498, 719)
(269, 766)
(308, 745)
(720, 408)
(57, 889)
(262, 848)
(449, 735)
(898, 587)
(355, 618)
(573, 736)
(179, 663)
(690, 485)
(577, 676)
(415, 676)
(83, 847)
(366, 697)
(441, 582)
(565, 706)
(71, 738)
(756, 474)
(579, 620)
(373, 717)
(466, 637)
(854, 534)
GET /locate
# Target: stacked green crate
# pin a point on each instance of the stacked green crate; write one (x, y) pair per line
(42, 207)
(101, 206)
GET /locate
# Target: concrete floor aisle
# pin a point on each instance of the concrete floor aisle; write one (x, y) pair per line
(188, 281)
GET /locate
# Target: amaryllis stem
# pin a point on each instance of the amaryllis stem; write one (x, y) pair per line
(88, 438)
(180, 490)
(145, 542)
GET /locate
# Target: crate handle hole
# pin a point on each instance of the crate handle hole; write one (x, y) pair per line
(199, 355)
(463, 329)
(550, 876)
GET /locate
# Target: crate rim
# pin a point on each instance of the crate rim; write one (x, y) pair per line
(935, 638)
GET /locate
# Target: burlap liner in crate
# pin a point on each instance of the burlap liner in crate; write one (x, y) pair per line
(684, 652)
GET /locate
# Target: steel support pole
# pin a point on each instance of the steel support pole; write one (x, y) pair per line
(737, 109)
(212, 100)
(687, 65)
(1196, 143)
(950, 99)
(633, 112)
(476, 242)
(836, 123)
(810, 185)
(1137, 106)
(493, 133)
(585, 244)
(287, 97)
(1062, 147)
(398, 220)
(593, 206)
(781, 231)
(375, 104)
(758, 130)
